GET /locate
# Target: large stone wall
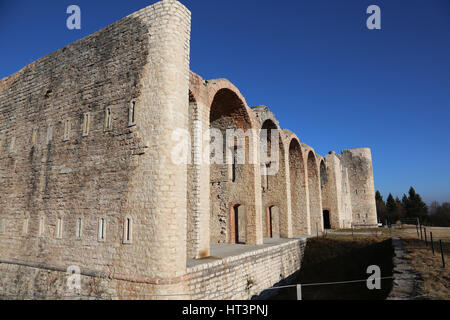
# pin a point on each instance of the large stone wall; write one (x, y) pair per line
(62, 160)
(112, 174)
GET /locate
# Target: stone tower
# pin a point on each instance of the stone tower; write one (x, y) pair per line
(358, 163)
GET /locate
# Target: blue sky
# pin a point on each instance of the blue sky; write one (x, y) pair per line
(326, 76)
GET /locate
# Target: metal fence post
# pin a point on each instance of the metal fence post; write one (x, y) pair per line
(432, 243)
(442, 254)
(299, 292)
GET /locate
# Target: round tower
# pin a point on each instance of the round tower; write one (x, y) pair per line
(361, 184)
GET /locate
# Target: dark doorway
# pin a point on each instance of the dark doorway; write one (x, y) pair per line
(326, 220)
(236, 223)
(270, 226)
(239, 227)
(271, 223)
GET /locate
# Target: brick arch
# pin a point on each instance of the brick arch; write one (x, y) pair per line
(274, 180)
(315, 196)
(227, 103)
(228, 110)
(263, 114)
(298, 187)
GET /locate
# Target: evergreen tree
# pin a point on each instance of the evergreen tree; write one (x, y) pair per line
(415, 207)
(391, 205)
(381, 207)
(405, 201)
(400, 210)
(378, 196)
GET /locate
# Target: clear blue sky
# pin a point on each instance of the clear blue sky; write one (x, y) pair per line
(313, 63)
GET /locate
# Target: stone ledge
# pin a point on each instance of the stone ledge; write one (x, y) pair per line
(228, 260)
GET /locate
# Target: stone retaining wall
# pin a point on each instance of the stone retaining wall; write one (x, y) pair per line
(245, 276)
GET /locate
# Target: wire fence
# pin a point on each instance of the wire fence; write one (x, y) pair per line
(435, 244)
(180, 295)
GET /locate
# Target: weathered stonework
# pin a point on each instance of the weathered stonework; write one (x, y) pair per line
(245, 276)
(88, 176)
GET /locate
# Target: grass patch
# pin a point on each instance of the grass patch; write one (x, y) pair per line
(435, 282)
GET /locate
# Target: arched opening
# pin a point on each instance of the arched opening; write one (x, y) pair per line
(273, 176)
(326, 220)
(315, 200)
(299, 197)
(232, 174)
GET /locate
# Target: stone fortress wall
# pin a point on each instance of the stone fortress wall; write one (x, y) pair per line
(88, 179)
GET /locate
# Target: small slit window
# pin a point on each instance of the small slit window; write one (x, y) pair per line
(12, 144)
(41, 228)
(127, 230)
(2, 226)
(132, 113)
(108, 118)
(34, 137)
(49, 134)
(79, 228)
(66, 130)
(25, 226)
(101, 229)
(234, 160)
(59, 228)
(86, 123)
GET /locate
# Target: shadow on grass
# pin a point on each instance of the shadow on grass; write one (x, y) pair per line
(329, 260)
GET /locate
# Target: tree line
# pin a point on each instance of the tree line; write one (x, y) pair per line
(411, 207)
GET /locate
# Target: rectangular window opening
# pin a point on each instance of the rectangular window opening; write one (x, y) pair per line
(101, 229)
(86, 123)
(132, 113)
(41, 226)
(128, 227)
(66, 130)
(59, 227)
(34, 137)
(2, 226)
(234, 164)
(108, 118)
(25, 226)
(79, 228)
(49, 133)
